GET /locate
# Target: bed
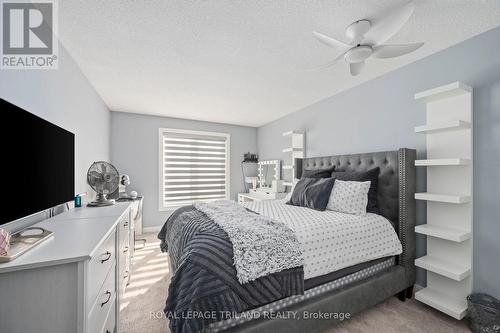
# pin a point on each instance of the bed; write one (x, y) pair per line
(333, 286)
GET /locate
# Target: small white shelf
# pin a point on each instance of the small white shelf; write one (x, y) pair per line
(443, 302)
(289, 150)
(287, 167)
(443, 162)
(451, 234)
(456, 199)
(292, 132)
(454, 125)
(288, 183)
(442, 267)
(449, 90)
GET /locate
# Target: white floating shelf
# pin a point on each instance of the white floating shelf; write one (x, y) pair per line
(449, 90)
(451, 234)
(287, 167)
(441, 301)
(456, 199)
(443, 267)
(289, 150)
(288, 183)
(454, 125)
(443, 162)
(292, 132)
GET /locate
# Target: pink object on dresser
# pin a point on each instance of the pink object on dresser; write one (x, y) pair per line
(4, 242)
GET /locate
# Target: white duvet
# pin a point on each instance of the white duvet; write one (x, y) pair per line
(331, 240)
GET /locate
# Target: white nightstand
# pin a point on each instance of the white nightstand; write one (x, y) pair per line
(258, 195)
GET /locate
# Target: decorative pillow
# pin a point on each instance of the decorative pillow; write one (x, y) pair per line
(321, 173)
(349, 197)
(363, 176)
(312, 193)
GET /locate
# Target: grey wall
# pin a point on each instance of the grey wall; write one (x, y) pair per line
(380, 115)
(135, 151)
(64, 97)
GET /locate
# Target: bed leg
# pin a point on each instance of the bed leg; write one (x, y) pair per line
(402, 295)
(409, 292)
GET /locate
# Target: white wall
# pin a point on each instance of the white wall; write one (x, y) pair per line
(135, 151)
(66, 98)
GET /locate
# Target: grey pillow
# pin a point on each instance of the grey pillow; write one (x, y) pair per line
(312, 193)
(363, 176)
(321, 173)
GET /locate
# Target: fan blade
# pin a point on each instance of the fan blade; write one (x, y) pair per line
(390, 25)
(356, 67)
(328, 64)
(392, 51)
(336, 44)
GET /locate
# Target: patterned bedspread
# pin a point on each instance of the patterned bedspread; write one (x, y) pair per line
(204, 287)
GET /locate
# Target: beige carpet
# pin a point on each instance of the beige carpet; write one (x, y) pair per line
(146, 294)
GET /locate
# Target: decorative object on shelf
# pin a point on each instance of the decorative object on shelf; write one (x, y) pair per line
(250, 158)
(4, 242)
(449, 136)
(103, 178)
(295, 150)
(268, 171)
(133, 194)
(23, 241)
(367, 38)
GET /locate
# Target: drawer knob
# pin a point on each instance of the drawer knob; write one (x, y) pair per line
(125, 224)
(125, 249)
(107, 258)
(108, 293)
(126, 274)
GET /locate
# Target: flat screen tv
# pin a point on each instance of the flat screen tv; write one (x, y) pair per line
(37, 169)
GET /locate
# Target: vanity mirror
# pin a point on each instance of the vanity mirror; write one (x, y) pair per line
(268, 171)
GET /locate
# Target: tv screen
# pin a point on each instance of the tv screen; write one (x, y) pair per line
(38, 164)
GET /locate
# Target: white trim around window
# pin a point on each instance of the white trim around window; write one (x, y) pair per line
(193, 165)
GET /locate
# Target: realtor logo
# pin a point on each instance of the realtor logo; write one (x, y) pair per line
(29, 34)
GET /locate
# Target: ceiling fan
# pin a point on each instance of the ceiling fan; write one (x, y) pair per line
(367, 38)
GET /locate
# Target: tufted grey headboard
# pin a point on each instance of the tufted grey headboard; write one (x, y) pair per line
(396, 191)
(396, 179)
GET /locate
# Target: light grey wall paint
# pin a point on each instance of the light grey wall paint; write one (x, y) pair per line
(380, 115)
(66, 98)
(135, 151)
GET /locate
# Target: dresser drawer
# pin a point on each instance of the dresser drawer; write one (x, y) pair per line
(99, 266)
(124, 268)
(105, 301)
(109, 325)
(124, 228)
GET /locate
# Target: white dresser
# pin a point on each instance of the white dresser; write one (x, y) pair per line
(258, 195)
(73, 282)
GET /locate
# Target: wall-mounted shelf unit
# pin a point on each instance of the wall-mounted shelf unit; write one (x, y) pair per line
(443, 162)
(455, 199)
(449, 198)
(448, 126)
(295, 149)
(448, 233)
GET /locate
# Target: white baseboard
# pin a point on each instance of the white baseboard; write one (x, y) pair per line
(151, 229)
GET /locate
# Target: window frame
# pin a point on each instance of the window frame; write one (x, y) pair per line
(161, 158)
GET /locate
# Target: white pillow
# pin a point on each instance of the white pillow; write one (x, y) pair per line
(349, 197)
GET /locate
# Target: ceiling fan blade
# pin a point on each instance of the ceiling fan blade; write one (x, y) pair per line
(390, 25)
(328, 64)
(392, 51)
(336, 44)
(356, 67)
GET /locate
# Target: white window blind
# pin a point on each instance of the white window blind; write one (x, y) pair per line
(194, 166)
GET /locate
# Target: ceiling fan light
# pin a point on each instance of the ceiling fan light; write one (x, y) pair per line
(358, 54)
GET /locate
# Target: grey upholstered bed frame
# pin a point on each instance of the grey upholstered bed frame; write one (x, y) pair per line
(396, 201)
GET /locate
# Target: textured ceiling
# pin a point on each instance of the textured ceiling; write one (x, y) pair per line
(241, 62)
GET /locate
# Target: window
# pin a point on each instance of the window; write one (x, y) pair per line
(194, 166)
